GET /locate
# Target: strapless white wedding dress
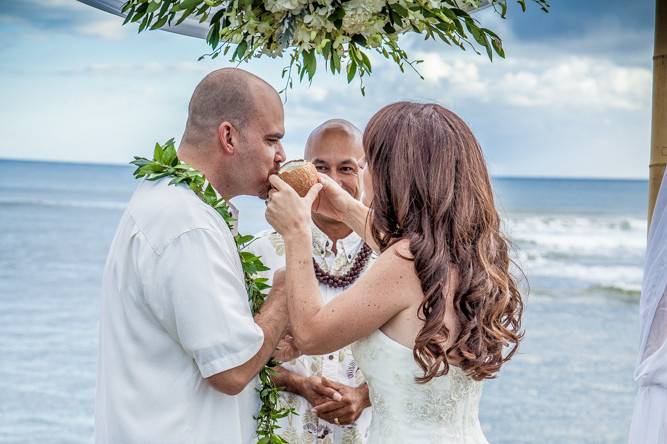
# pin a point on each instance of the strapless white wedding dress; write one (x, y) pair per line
(443, 411)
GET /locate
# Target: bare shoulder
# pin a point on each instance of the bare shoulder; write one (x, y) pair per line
(398, 256)
(394, 270)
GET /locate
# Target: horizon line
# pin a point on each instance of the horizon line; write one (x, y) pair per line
(499, 176)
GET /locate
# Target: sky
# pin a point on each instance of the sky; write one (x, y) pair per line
(571, 99)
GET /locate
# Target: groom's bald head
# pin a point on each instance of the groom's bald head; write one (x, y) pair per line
(234, 131)
(225, 95)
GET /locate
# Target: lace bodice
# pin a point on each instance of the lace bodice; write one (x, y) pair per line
(443, 411)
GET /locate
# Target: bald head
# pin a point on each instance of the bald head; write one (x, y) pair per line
(233, 135)
(225, 95)
(334, 127)
(335, 148)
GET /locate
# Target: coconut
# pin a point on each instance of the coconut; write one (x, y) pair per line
(300, 175)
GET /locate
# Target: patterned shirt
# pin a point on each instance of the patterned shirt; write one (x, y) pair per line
(339, 366)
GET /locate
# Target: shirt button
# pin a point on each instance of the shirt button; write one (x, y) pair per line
(331, 357)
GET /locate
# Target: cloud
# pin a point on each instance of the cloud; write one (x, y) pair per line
(462, 75)
(109, 29)
(51, 14)
(66, 16)
(578, 83)
(570, 82)
(614, 29)
(64, 4)
(147, 69)
(556, 60)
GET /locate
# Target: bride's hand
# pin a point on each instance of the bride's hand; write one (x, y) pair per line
(332, 201)
(286, 211)
(286, 350)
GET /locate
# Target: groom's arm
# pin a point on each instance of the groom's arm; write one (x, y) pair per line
(272, 319)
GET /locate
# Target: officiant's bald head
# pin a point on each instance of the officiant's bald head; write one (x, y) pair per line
(235, 124)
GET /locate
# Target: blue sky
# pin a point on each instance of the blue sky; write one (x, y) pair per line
(572, 98)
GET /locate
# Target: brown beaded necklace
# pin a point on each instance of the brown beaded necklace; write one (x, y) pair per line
(348, 278)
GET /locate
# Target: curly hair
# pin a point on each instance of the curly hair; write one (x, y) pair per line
(431, 186)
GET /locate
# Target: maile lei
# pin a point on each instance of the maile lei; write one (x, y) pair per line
(165, 163)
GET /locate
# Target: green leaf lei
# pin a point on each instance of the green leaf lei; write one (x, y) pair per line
(165, 163)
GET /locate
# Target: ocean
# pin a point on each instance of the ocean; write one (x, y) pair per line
(580, 243)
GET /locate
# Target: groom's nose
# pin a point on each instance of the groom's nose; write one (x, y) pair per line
(280, 154)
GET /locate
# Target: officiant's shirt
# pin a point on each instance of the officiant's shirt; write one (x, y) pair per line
(175, 311)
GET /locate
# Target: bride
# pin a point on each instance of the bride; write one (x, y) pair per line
(438, 312)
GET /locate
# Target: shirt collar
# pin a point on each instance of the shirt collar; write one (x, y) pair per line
(348, 245)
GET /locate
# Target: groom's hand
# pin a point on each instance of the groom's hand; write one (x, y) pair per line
(346, 410)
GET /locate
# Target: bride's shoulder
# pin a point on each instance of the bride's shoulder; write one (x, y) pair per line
(398, 256)
(397, 259)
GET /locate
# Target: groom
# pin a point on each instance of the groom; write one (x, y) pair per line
(179, 347)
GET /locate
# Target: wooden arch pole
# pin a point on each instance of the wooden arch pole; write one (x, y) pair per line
(659, 118)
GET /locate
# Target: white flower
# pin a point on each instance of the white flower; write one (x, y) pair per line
(292, 6)
(361, 16)
(303, 34)
(340, 41)
(318, 21)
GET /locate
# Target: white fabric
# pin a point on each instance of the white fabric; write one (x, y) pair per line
(339, 366)
(444, 410)
(175, 311)
(649, 421)
(190, 26)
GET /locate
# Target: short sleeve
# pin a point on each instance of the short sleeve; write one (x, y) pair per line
(200, 298)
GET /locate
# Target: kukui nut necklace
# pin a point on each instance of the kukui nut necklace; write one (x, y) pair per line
(348, 278)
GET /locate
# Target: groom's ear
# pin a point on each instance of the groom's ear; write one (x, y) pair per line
(228, 137)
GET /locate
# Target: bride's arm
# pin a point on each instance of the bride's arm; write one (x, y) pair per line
(360, 219)
(385, 290)
(336, 203)
(380, 294)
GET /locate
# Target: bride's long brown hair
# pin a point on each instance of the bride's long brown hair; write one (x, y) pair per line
(431, 186)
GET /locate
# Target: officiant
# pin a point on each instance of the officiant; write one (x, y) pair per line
(334, 148)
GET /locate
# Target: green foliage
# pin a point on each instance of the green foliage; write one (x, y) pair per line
(339, 32)
(165, 163)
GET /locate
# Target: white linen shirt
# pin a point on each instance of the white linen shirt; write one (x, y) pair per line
(175, 311)
(339, 366)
